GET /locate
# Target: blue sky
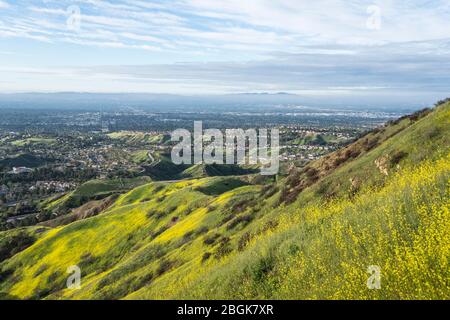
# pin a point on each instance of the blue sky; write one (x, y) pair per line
(322, 47)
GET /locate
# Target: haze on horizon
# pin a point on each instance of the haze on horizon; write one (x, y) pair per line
(377, 49)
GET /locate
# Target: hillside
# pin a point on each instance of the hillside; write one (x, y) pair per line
(139, 137)
(92, 190)
(382, 201)
(22, 160)
(164, 169)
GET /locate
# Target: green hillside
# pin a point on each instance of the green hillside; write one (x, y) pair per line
(164, 169)
(381, 201)
(132, 137)
(93, 190)
(22, 160)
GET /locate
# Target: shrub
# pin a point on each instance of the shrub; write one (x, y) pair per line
(159, 231)
(223, 249)
(369, 144)
(164, 266)
(431, 133)
(245, 219)
(172, 209)
(160, 215)
(5, 274)
(419, 114)
(261, 269)
(311, 172)
(268, 190)
(160, 199)
(201, 230)
(293, 249)
(206, 256)
(397, 157)
(141, 281)
(244, 240)
(242, 205)
(40, 270)
(54, 276)
(441, 102)
(209, 240)
(270, 225)
(226, 219)
(187, 237)
(11, 245)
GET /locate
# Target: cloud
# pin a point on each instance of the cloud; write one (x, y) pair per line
(410, 67)
(4, 5)
(258, 26)
(243, 45)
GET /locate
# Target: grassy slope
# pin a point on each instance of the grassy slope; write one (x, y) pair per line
(199, 239)
(201, 170)
(164, 169)
(95, 189)
(139, 137)
(22, 143)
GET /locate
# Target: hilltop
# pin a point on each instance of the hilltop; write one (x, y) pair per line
(380, 201)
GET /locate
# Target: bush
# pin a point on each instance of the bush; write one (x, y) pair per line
(40, 270)
(431, 133)
(164, 266)
(245, 219)
(397, 157)
(141, 281)
(87, 263)
(211, 239)
(369, 144)
(187, 237)
(11, 245)
(242, 205)
(270, 225)
(419, 114)
(226, 219)
(244, 240)
(223, 249)
(268, 190)
(262, 268)
(160, 199)
(172, 209)
(159, 231)
(441, 102)
(206, 256)
(201, 230)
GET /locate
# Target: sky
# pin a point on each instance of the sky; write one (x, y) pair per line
(322, 47)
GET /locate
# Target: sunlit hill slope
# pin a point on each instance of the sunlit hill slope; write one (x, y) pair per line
(381, 201)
